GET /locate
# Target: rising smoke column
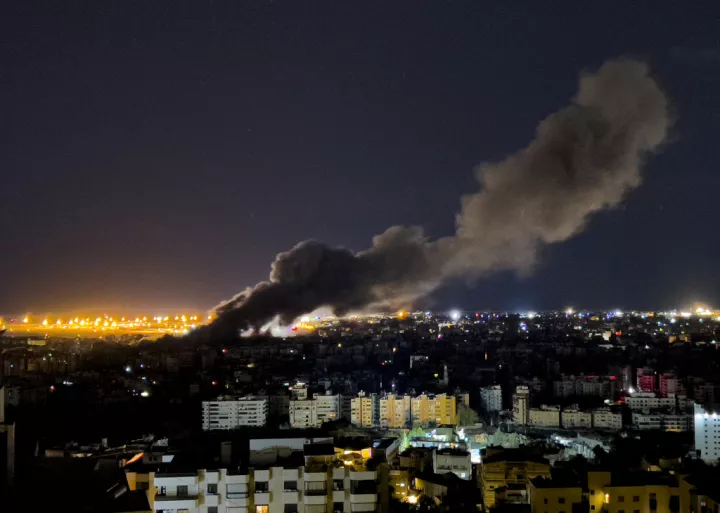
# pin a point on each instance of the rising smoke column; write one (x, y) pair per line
(584, 158)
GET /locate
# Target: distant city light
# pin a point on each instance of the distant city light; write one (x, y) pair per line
(569, 311)
(128, 369)
(455, 315)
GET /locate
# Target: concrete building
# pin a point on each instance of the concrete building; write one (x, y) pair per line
(707, 434)
(573, 418)
(394, 411)
(313, 412)
(491, 399)
(670, 385)
(650, 400)
(521, 405)
(323, 484)
(452, 460)
(365, 410)
(545, 416)
(509, 467)
(584, 386)
(661, 421)
(646, 380)
(440, 409)
(605, 419)
(229, 413)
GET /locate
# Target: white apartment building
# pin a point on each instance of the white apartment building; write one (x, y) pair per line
(491, 399)
(604, 418)
(573, 418)
(545, 416)
(581, 386)
(308, 413)
(647, 421)
(707, 434)
(322, 485)
(650, 401)
(521, 405)
(452, 460)
(229, 413)
(365, 410)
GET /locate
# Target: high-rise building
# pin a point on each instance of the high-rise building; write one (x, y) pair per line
(308, 413)
(671, 385)
(365, 410)
(228, 413)
(440, 409)
(491, 399)
(521, 405)
(394, 411)
(646, 380)
(707, 434)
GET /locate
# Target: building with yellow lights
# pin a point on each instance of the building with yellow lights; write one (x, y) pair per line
(395, 411)
(365, 410)
(439, 409)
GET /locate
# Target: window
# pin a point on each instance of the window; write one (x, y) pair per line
(592, 508)
(338, 484)
(592, 492)
(262, 509)
(545, 501)
(162, 491)
(212, 509)
(291, 508)
(621, 498)
(621, 511)
(636, 498)
(636, 511)
(338, 507)
(212, 489)
(182, 491)
(561, 500)
(261, 487)
(290, 486)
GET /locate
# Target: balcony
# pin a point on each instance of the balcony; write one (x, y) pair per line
(237, 479)
(173, 480)
(362, 507)
(290, 474)
(262, 498)
(338, 495)
(314, 476)
(314, 499)
(290, 497)
(262, 475)
(235, 500)
(175, 502)
(368, 475)
(212, 500)
(362, 498)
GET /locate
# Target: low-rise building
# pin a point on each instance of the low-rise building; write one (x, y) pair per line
(606, 419)
(545, 416)
(452, 460)
(502, 467)
(573, 418)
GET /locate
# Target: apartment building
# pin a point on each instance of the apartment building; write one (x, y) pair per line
(395, 411)
(509, 467)
(661, 421)
(307, 413)
(452, 460)
(491, 399)
(521, 405)
(545, 416)
(439, 409)
(322, 484)
(365, 410)
(650, 400)
(573, 418)
(606, 419)
(231, 413)
(707, 434)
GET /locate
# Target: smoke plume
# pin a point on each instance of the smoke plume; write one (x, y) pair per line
(584, 158)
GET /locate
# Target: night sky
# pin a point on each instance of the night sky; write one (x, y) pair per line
(157, 155)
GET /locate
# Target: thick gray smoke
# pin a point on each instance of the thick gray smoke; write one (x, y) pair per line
(584, 159)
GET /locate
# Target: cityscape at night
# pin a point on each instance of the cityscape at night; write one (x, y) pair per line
(291, 256)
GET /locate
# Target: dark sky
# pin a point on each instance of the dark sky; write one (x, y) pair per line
(159, 154)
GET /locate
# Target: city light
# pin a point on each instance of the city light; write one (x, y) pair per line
(455, 315)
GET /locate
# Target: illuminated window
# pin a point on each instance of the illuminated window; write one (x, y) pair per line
(262, 509)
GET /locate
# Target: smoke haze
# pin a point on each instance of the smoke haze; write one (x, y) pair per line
(584, 158)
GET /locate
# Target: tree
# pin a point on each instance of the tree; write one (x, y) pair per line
(466, 416)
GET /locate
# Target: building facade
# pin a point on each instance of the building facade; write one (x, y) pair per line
(491, 399)
(228, 413)
(707, 434)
